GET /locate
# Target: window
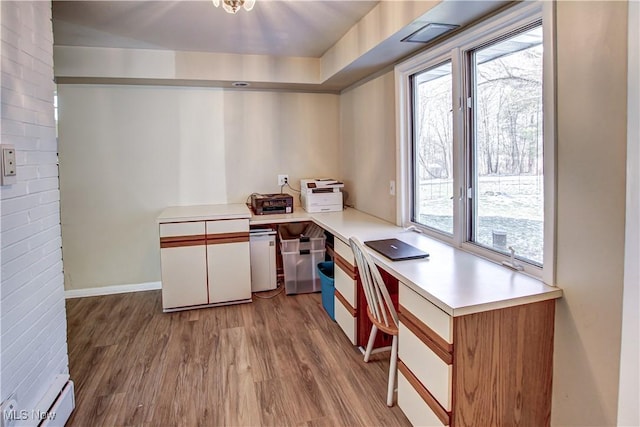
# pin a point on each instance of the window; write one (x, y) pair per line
(476, 140)
(506, 203)
(433, 148)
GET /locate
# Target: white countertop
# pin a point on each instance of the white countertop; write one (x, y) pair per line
(204, 212)
(298, 215)
(456, 281)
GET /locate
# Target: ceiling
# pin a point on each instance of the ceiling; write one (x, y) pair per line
(278, 28)
(274, 28)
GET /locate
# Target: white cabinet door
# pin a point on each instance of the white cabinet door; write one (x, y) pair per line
(263, 263)
(184, 276)
(229, 272)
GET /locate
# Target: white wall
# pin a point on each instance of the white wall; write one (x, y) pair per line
(33, 347)
(127, 152)
(592, 143)
(591, 156)
(629, 390)
(591, 186)
(368, 148)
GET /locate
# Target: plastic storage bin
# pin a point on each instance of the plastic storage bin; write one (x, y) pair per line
(325, 270)
(302, 248)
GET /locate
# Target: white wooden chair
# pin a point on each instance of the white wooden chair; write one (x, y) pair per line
(380, 309)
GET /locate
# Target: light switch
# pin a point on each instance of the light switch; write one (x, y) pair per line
(8, 165)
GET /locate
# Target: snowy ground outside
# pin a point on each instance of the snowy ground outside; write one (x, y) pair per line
(511, 205)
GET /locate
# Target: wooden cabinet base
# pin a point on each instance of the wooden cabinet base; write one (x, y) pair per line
(502, 370)
(503, 366)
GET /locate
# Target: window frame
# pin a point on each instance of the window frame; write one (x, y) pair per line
(455, 49)
(432, 63)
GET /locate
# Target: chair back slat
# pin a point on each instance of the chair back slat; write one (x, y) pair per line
(375, 290)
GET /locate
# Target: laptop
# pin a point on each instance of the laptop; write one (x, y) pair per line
(396, 250)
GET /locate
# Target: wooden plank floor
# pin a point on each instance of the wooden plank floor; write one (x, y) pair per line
(278, 361)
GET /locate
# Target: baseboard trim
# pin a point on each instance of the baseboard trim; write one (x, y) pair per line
(112, 290)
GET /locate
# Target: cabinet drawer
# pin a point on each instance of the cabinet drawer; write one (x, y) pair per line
(439, 321)
(345, 285)
(227, 226)
(427, 367)
(345, 320)
(178, 229)
(413, 406)
(344, 250)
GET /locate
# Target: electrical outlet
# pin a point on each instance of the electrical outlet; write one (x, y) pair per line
(283, 180)
(8, 165)
(392, 188)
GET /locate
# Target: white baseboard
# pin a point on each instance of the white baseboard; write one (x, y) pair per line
(56, 407)
(111, 290)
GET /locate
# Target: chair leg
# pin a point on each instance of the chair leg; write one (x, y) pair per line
(372, 338)
(393, 364)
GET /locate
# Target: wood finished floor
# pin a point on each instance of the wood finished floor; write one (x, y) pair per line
(273, 362)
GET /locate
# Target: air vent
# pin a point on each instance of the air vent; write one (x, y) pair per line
(429, 32)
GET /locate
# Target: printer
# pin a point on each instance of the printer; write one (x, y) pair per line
(263, 204)
(321, 195)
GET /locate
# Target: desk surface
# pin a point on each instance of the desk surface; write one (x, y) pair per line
(204, 213)
(458, 282)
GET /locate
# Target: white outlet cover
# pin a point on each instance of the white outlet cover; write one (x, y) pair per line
(8, 165)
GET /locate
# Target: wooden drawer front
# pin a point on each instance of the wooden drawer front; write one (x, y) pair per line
(344, 250)
(413, 406)
(178, 229)
(427, 366)
(346, 320)
(227, 226)
(439, 321)
(346, 286)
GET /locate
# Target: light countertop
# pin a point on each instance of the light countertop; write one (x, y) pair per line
(204, 212)
(456, 281)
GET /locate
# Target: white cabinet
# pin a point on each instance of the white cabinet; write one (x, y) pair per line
(184, 276)
(425, 360)
(228, 256)
(262, 244)
(345, 281)
(486, 368)
(183, 260)
(204, 263)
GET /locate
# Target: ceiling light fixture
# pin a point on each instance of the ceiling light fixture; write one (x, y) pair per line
(233, 6)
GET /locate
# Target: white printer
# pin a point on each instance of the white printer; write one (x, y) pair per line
(321, 195)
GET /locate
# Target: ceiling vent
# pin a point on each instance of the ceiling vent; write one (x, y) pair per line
(429, 32)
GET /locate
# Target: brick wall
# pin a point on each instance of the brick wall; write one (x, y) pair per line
(33, 347)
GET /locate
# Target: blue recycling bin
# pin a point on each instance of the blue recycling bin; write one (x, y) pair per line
(325, 271)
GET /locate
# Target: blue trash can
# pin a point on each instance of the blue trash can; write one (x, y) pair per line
(325, 271)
